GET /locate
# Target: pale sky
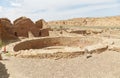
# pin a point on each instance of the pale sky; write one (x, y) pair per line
(58, 9)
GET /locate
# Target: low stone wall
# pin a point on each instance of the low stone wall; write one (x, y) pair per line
(87, 32)
(56, 41)
(59, 55)
(114, 48)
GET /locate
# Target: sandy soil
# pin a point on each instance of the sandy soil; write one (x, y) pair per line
(104, 65)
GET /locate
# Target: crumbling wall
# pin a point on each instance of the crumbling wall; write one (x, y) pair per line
(21, 28)
(59, 55)
(5, 30)
(41, 24)
(44, 32)
(87, 32)
(23, 25)
(55, 41)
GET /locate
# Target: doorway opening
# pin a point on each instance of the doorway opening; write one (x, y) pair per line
(16, 34)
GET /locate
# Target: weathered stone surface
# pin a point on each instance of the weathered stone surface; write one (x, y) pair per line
(44, 32)
(21, 28)
(41, 24)
(55, 41)
(6, 30)
(56, 47)
(87, 32)
(23, 25)
(6, 23)
(103, 21)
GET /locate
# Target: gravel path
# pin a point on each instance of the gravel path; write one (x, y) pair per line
(104, 65)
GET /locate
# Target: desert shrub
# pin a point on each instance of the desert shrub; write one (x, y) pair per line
(1, 44)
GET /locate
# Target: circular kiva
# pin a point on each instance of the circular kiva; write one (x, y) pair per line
(56, 41)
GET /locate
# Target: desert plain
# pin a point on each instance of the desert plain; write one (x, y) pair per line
(73, 48)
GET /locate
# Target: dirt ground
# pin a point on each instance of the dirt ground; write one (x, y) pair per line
(104, 65)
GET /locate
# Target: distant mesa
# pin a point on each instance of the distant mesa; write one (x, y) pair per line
(101, 21)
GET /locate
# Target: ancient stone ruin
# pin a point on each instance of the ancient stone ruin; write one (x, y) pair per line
(40, 40)
(55, 41)
(6, 30)
(21, 28)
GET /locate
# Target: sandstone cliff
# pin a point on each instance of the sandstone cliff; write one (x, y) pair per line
(103, 21)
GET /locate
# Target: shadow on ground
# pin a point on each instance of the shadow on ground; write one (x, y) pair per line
(3, 71)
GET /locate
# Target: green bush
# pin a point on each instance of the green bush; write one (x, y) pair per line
(1, 43)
